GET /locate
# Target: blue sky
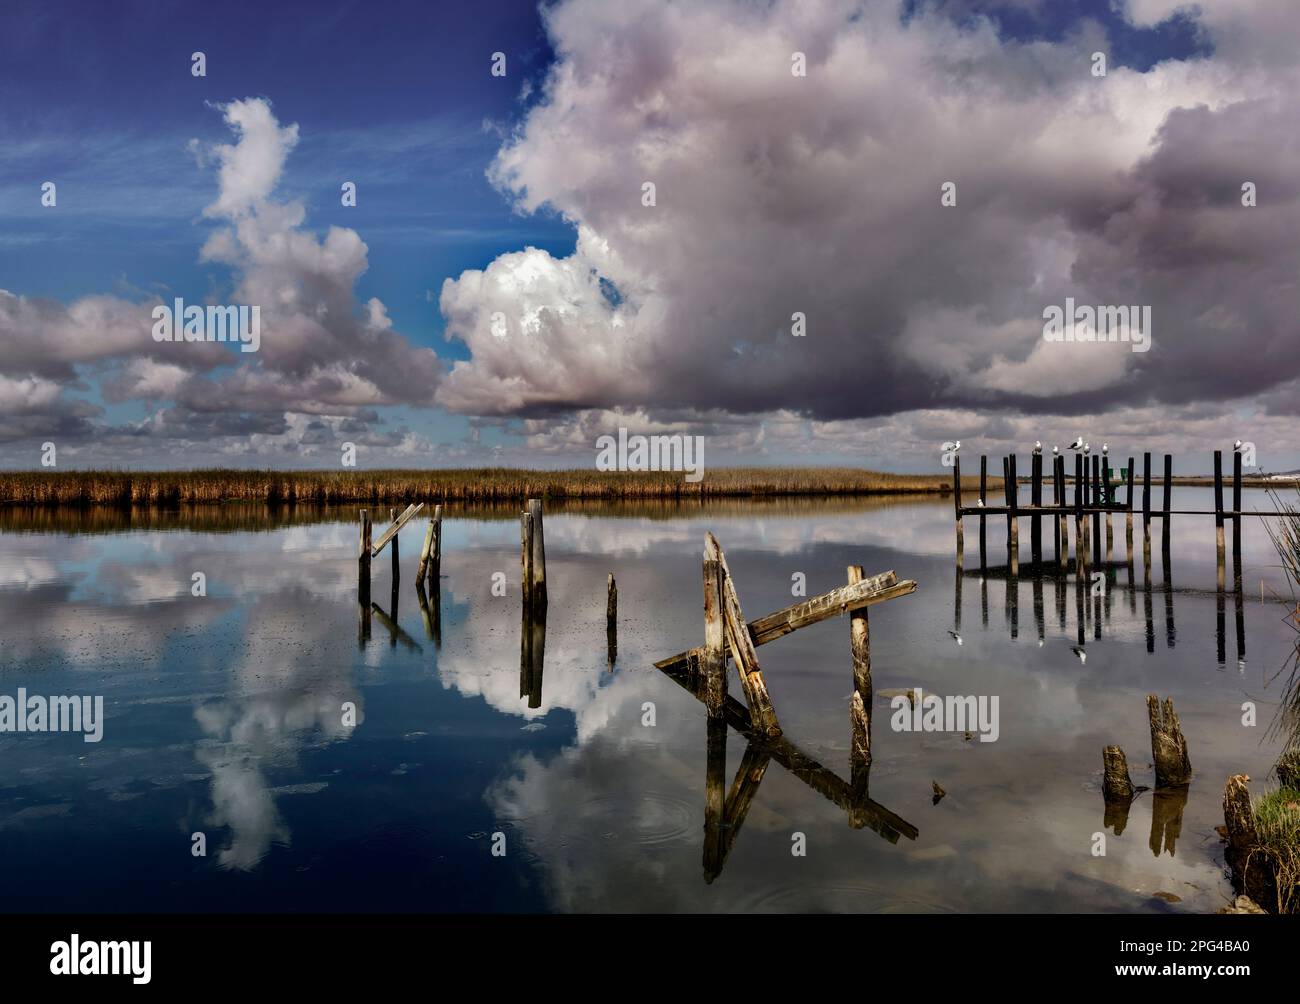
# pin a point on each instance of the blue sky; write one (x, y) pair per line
(681, 327)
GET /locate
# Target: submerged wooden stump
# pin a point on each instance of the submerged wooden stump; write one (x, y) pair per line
(1253, 868)
(1168, 747)
(1117, 786)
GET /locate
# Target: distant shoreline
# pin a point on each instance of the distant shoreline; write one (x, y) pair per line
(215, 486)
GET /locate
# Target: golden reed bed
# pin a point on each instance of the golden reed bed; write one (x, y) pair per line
(487, 484)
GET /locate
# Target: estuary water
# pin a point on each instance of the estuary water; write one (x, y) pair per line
(269, 746)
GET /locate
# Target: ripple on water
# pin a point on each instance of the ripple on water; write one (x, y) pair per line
(650, 818)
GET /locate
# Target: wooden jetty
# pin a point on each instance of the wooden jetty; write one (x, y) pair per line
(1095, 497)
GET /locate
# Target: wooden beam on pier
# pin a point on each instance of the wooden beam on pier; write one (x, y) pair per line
(395, 526)
(845, 599)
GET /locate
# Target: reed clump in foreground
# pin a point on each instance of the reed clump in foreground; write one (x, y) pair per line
(37, 488)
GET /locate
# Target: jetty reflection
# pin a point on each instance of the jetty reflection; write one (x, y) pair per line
(1093, 595)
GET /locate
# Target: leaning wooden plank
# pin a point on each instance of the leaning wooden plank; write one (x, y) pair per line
(820, 608)
(742, 647)
(846, 599)
(396, 525)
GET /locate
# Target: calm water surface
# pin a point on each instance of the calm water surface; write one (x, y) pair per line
(224, 715)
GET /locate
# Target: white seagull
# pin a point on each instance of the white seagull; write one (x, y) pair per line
(1236, 447)
(1083, 656)
(1055, 450)
(1105, 448)
(1077, 444)
(956, 636)
(1038, 447)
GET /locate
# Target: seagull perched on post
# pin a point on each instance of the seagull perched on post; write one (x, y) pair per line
(1055, 450)
(1087, 449)
(956, 446)
(1038, 447)
(1236, 447)
(1077, 444)
(1105, 449)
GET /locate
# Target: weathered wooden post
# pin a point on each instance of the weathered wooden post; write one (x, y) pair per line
(1109, 502)
(1128, 514)
(526, 558)
(1168, 747)
(1168, 503)
(363, 560)
(397, 567)
(1036, 500)
(1236, 519)
(1080, 544)
(956, 506)
(713, 659)
(363, 580)
(538, 565)
(1013, 520)
(421, 573)
(611, 621)
(984, 481)
(860, 702)
(1218, 517)
(1062, 521)
(431, 563)
(1097, 502)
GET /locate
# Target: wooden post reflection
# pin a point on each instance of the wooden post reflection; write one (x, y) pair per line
(532, 655)
(1167, 806)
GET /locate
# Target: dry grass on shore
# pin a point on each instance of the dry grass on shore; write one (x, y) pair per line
(487, 484)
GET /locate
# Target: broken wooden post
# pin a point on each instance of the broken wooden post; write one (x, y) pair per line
(1168, 747)
(423, 570)
(713, 657)
(860, 644)
(611, 621)
(431, 553)
(538, 563)
(1116, 784)
(956, 506)
(1253, 866)
(761, 711)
